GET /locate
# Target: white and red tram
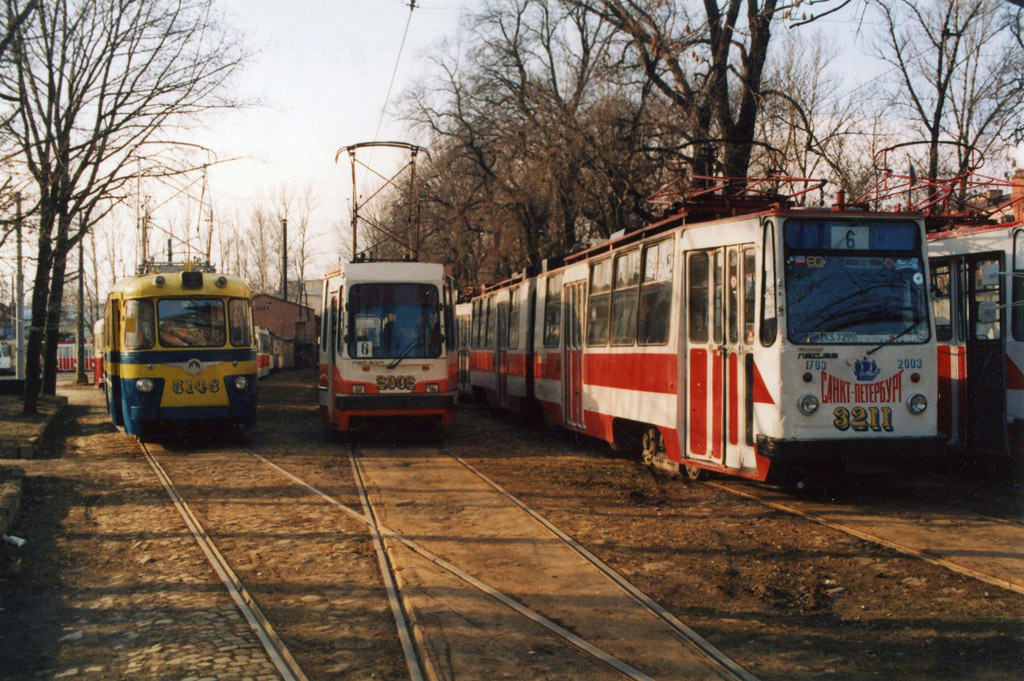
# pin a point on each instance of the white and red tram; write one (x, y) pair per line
(463, 320)
(977, 277)
(771, 345)
(388, 344)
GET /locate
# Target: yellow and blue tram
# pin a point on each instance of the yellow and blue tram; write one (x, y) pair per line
(180, 351)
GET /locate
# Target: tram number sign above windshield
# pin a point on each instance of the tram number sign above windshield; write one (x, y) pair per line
(850, 237)
(396, 383)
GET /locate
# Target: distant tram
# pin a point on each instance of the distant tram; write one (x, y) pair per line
(388, 345)
(738, 335)
(180, 352)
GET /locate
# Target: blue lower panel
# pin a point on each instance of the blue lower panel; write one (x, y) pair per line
(139, 407)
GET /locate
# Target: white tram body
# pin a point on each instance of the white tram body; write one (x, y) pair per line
(388, 344)
(264, 352)
(770, 345)
(977, 277)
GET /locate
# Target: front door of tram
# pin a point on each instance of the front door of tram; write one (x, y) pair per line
(985, 408)
(572, 361)
(720, 329)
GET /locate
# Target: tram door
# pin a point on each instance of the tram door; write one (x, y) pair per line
(705, 299)
(737, 355)
(501, 355)
(985, 408)
(574, 294)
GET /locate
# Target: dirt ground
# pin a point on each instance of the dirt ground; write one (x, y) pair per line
(787, 599)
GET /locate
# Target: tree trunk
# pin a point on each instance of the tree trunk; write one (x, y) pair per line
(53, 310)
(40, 293)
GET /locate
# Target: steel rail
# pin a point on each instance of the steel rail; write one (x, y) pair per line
(866, 536)
(272, 643)
(687, 634)
(612, 662)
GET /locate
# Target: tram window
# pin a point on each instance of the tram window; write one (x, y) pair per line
(191, 322)
(553, 311)
(513, 318)
(698, 297)
(476, 321)
(238, 322)
(492, 324)
(324, 326)
(988, 295)
(1017, 289)
(718, 296)
(769, 310)
(734, 297)
(138, 325)
(748, 295)
(655, 294)
(941, 302)
(597, 311)
(334, 329)
(624, 298)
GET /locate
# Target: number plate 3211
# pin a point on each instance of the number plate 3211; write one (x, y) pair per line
(863, 419)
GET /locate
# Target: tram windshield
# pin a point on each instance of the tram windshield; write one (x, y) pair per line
(854, 281)
(191, 322)
(394, 321)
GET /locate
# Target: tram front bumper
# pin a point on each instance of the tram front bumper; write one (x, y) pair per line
(378, 402)
(866, 450)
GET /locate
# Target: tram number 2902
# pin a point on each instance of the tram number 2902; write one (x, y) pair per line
(862, 419)
(396, 383)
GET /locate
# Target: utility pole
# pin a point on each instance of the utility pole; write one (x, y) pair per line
(80, 377)
(284, 258)
(19, 324)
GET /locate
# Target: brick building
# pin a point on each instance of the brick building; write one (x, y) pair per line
(298, 327)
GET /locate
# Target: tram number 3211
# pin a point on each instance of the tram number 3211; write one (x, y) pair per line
(861, 419)
(396, 383)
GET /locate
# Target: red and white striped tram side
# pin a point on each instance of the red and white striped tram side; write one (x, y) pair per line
(463, 321)
(771, 345)
(264, 352)
(388, 344)
(978, 297)
(500, 371)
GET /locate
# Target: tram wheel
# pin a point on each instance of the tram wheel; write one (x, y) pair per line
(652, 445)
(695, 473)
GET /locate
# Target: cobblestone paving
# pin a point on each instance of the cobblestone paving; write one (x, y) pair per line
(114, 586)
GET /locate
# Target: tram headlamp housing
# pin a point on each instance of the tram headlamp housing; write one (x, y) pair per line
(241, 383)
(160, 280)
(358, 389)
(222, 281)
(917, 403)
(808, 404)
(433, 388)
(144, 385)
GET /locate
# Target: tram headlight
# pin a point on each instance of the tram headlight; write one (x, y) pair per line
(358, 389)
(433, 387)
(160, 280)
(917, 403)
(808, 404)
(222, 281)
(241, 383)
(144, 385)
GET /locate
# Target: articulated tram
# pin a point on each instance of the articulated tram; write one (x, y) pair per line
(773, 345)
(179, 351)
(977, 277)
(388, 345)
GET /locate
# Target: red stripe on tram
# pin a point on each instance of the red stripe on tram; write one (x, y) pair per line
(698, 401)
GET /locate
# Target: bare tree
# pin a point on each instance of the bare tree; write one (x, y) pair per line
(91, 85)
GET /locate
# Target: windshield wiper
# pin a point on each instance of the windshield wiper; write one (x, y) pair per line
(403, 354)
(892, 340)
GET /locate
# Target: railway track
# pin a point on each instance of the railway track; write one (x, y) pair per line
(412, 634)
(992, 554)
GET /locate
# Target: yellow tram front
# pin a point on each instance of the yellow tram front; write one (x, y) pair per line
(180, 352)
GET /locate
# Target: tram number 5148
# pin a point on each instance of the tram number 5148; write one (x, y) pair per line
(862, 419)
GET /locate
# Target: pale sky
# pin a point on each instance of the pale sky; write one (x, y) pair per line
(321, 71)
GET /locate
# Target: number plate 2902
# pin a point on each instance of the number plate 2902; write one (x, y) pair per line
(396, 383)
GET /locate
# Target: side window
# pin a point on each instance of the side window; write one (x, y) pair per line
(513, 318)
(718, 297)
(477, 314)
(138, 324)
(697, 294)
(986, 291)
(734, 296)
(655, 294)
(1017, 317)
(941, 302)
(553, 311)
(492, 324)
(238, 322)
(769, 311)
(324, 325)
(749, 297)
(624, 298)
(333, 325)
(597, 310)
(339, 320)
